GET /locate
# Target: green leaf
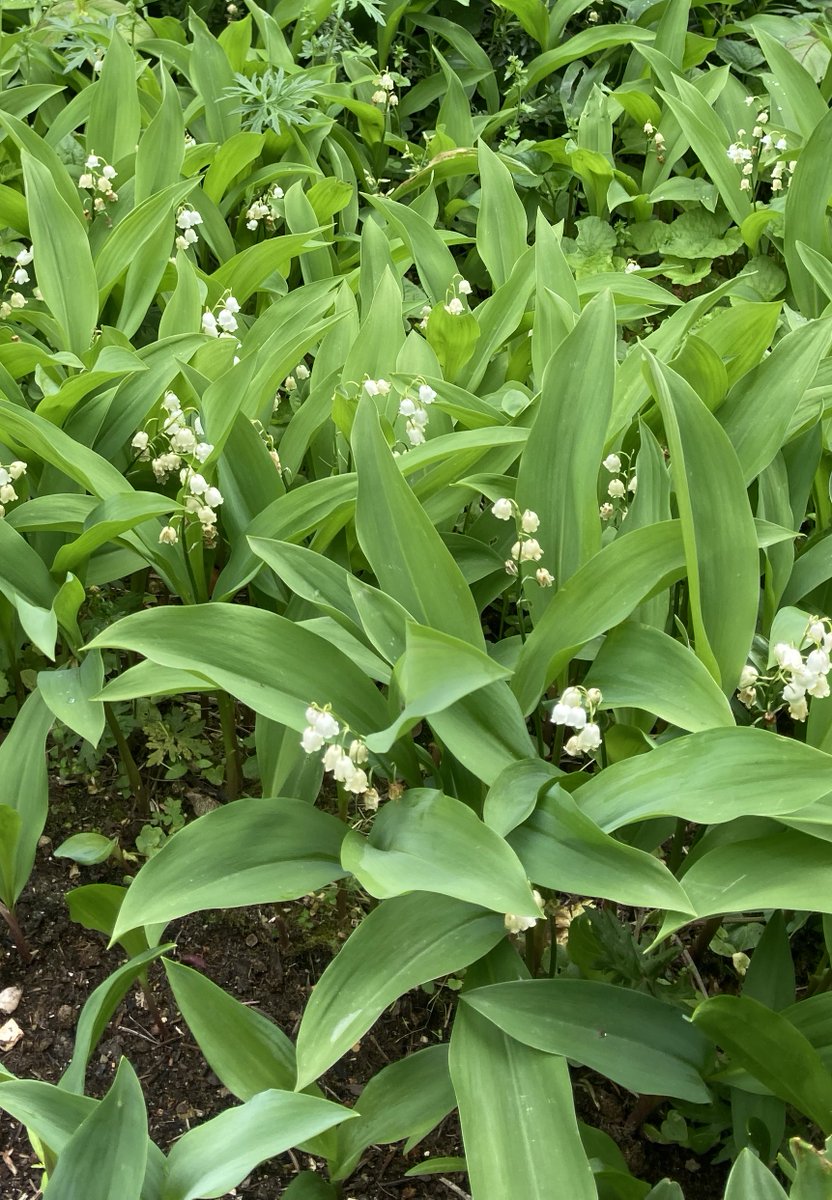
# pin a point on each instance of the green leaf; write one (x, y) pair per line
(717, 528)
(587, 606)
(108, 520)
(432, 843)
(403, 943)
(97, 1012)
(632, 1038)
(709, 778)
(404, 1100)
(406, 553)
(515, 1103)
(435, 672)
(24, 789)
(758, 410)
(62, 258)
(249, 852)
(266, 661)
(586, 42)
(115, 114)
(768, 1046)
(70, 692)
(246, 1051)
(86, 848)
(558, 472)
(217, 1156)
(805, 217)
(641, 667)
(750, 1178)
(114, 1137)
(501, 223)
(561, 848)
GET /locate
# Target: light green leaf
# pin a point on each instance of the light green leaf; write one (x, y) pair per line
(403, 943)
(750, 1178)
(632, 1038)
(432, 843)
(24, 789)
(768, 1046)
(561, 848)
(246, 1051)
(641, 667)
(70, 694)
(717, 527)
(249, 852)
(114, 1137)
(515, 1103)
(217, 1156)
(502, 222)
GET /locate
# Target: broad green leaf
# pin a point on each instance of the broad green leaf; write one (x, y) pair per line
(632, 1038)
(587, 606)
(794, 84)
(162, 145)
(96, 906)
(97, 1012)
(641, 667)
(717, 528)
(404, 1100)
(759, 408)
(814, 1169)
(805, 217)
(246, 1051)
(513, 794)
(769, 1047)
(559, 466)
(486, 732)
(515, 1103)
(108, 520)
(114, 1137)
(561, 848)
(431, 256)
(215, 1157)
(24, 787)
(782, 869)
(249, 852)
(48, 1111)
(750, 1178)
(432, 843)
(709, 778)
(115, 114)
(435, 672)
(403, 943)
(309, 1186)
(62, 258)
(502, 222)
(86, 848)
(586, 42)
(406, 553)
(70, 693)
(266, 661)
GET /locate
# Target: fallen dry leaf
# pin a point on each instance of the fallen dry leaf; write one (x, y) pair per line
(10, 997)
(10, 1034)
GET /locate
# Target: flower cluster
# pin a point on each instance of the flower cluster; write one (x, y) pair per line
(265, 208)
(8, 476)
(744, 155)
(517, 924)
(18, 278)
(186, 220)
(415, 412)
(97, 177)
(657, 138)
(454, 304)
(526, 548)
(617, 488)
(221, 320)
(385, 92)
(182, 449)
(576, 709)
(344, 762)
(798, 676)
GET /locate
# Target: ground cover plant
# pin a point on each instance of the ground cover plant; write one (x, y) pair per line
(414, 440)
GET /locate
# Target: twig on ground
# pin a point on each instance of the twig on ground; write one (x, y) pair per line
(453, 1187)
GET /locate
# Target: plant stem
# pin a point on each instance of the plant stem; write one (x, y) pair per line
(129, 763)
(231, 745)
(18, 936)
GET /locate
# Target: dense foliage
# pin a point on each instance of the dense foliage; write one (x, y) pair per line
(435, 396)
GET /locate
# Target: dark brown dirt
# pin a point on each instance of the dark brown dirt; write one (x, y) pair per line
(271, 957)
